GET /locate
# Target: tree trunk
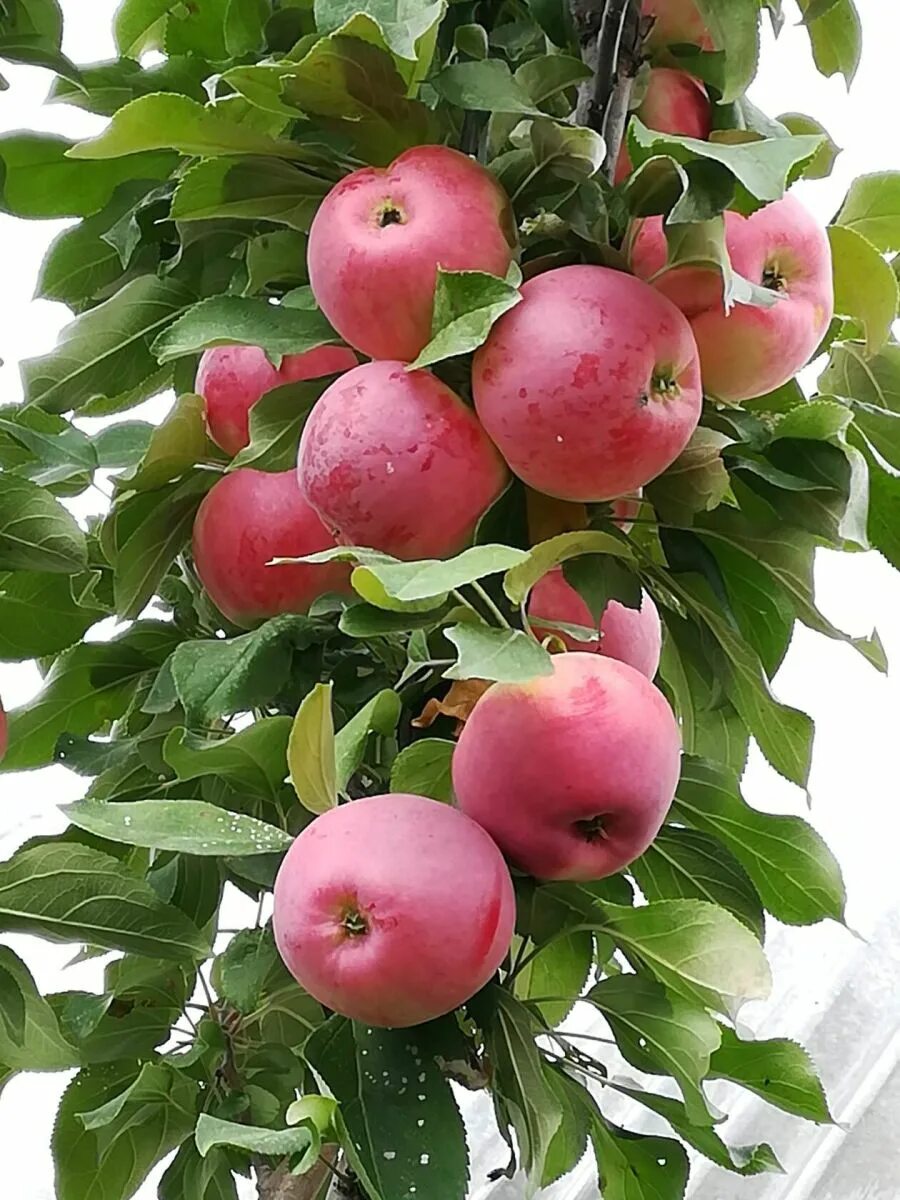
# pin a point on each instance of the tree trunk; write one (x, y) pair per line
(610, 35)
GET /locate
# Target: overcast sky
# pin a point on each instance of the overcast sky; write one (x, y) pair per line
(856, 757)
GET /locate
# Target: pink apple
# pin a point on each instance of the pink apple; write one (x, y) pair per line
(572, 774)
(750, 351)
(249, 518)
(675, 23)
(393, 910)
(394, 460)
(231, 379)
(632, 635)
(380, 235)
(675, 102)
(590, 387)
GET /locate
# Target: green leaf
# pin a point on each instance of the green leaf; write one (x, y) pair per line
(30, 1036)
(571, 152)
(661, 1035)
(212, 1132)
(486, 86)
(779, 1071)
(39, 180)
(423, 769)
(146, 532)
(872, 209)
(502, 655)
(105, 353)
(698, 951)
(403, 1131)
(521, 577)
(148, 1116)
(865, 287)
(797, 877)
(697, 480)
(138, 25)
(522, 1080)
(634, 1167)
(87, 686)
(221, 677)
(380, 715)
(207, 1178)
(401, 23)
(683, 864)
(765, 168)
(36, 532)
(311, 751)
(548, 74)
(884, 514)
(188, 826)
(466, 305)
(241, 970)
(823, 163)
(248, 321)
(734, 28)
(251, 189)
(874, 385)
(12, 1001)
(276, 422)
(69, 893)
(176, 444)
(105, 87)
(253, 760)
(170, 122)
(561, 969)
(836, 38)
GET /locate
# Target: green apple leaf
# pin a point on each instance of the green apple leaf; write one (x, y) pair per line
(521, 577)
(634, 1167)
(872, 209)
(241, 970)
(36, 532)
(486, 86)
(251, 189)
(560, 968)
(836, 37)
(212, 1132)
(734, 29)
(501, 655)
(423, 769)
(466, 305)
(778, 1070)
(176, 444)
(249, 321)
(311, 751)
(253, 760)
(865, 287)
(276, 423)
(380, 715)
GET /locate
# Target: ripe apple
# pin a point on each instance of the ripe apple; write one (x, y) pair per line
(750, 351)
(249, 518)
(381, 233)
(632, 635)
(571, 774)
(393, 910)
(675, 102)
(232, 378)
(394, 460)
(590, 387)
(676, 22)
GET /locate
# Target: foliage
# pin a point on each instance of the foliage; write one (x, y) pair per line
(205, 748)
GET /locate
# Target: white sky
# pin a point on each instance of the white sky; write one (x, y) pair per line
(856, 757)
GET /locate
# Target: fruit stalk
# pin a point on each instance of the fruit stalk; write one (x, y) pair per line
(610, 36)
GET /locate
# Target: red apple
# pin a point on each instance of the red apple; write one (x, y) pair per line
(394, 460)
(590, 387)
(571, 774)
(393, 910)
(675, 102)
(232, 378)
(632, 635)
(750, 351)
(249, 518)
(381, 233)
(676, 22)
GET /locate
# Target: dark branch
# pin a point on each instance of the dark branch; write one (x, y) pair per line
(610, 35)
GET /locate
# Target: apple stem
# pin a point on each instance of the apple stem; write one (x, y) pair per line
(611, 46)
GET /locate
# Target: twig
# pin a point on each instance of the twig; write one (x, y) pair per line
(611, 48)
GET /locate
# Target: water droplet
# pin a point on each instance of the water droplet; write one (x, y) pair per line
(390, 1155)
(421, 1099)
(420, 1122)
(424, 1160)
(422, 1077)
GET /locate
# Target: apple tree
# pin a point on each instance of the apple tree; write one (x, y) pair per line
(524, 287)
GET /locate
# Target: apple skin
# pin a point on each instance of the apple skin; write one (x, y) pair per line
(231, 379)
(676, 22)
(394, 460)
(631, 635)
(751, 351)
(430, 885)
(675, 102)
(589, 387)
(381, 233)
(4, 733)
(537, 762)
(247, 519)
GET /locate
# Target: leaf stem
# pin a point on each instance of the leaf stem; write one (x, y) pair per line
(490, 605)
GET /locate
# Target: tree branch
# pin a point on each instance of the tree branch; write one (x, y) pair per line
(277, 1183)
(610, 35)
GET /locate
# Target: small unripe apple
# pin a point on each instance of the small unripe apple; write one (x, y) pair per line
(751, 350)
(231, 379)
(393, 910)
(572, 774)
(394, 460)
(632, 635)
(380, 235)
(675, 102)
(675, 23)
(590, 387)
(246, 520)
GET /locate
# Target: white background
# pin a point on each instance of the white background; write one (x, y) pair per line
(853, 787)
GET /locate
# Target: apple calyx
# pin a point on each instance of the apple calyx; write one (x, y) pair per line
(353, 923)
(590, 830)
(663, 386)
(774, 278)
(389, 213)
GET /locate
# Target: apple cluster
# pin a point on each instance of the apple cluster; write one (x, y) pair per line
(587, 390)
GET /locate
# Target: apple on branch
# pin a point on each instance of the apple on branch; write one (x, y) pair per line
(674, 102)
